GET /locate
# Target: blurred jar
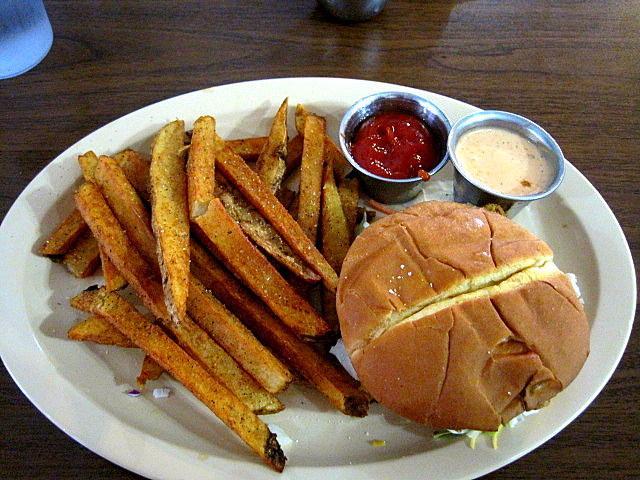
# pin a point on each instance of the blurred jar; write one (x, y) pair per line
(25, 36)
(353, 10)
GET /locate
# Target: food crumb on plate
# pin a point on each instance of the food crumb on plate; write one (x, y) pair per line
(161, 392)
(377, 443)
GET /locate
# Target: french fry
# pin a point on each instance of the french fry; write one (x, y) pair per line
(335, 237)
(136, 168)
(311, 176)
(248, 148)
(112, 279)
(330, 379)
(341, 167)
(127, 207)
(88, 162)
(134, 165)
(150, 370)
(201, 164)
(65, 235)
(257, 194)
(349, 191)
(170, 217)
(335, 231)
(223, 236)
(294, 153)
(97, 330)
(261, 232)
(222, 402)
(340, 164)
(84, 257)
(141, 277)
(301, 117)
(234, 337)
(271, 164)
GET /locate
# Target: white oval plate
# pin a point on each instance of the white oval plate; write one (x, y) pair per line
(80, 387)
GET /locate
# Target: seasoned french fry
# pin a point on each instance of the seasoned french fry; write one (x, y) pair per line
(349, 191)
(222, 402)
(65, 235)
(248, 148)
(271, 164)
(136, 168)
(134, 165)
(330, 379)
(224, 237)
(98, 330)
(335, 238)
(127, 207)
(112, 279)
(84, 257)
(170, 217)
(311, 176)
(294, 153)
(201, 164)
(341, 166)
(88, 162)
(140, 276)
(301, 118)
(261, 232)
(335, 232)
(257, 194)
(234, 337)
(150, 370)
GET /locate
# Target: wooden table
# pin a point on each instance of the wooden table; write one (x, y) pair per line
(572, 66)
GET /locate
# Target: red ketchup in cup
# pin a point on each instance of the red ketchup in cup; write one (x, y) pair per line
(395, 145)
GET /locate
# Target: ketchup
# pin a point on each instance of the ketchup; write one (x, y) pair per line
(395, 145)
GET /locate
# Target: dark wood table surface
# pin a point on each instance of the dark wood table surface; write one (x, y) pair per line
(573, 66)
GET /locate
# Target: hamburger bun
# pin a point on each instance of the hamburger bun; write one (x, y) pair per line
(458, 318)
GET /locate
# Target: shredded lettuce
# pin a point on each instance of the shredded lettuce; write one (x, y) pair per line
(363, 224)
(473, 435)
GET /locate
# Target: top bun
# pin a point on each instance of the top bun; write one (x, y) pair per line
(457, 317)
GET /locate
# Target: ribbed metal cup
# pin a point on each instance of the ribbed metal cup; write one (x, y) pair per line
(391, 190)
(466, 189)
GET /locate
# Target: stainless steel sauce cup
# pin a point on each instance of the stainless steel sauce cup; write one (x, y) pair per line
(467, 189)
(391, 190)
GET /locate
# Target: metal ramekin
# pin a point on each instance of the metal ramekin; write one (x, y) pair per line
(390, 190)
(466, 189)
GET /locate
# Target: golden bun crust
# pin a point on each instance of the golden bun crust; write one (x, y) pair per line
(408, 259)
(484, 328)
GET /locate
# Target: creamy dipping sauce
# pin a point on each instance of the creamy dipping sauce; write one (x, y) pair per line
(504, 161)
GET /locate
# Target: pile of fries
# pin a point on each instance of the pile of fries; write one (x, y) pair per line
(238, 271)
